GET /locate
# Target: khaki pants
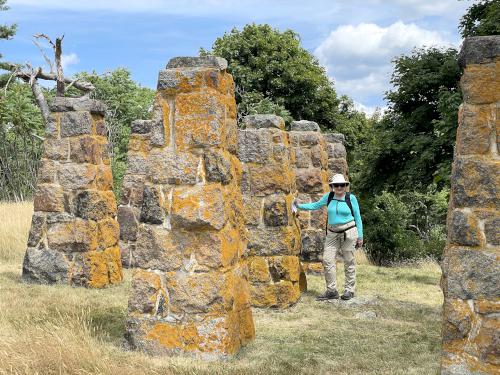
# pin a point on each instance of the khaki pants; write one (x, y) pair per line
(337, 243)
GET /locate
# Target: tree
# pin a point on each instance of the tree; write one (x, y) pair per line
(273, 64)
(413, 144)
(6, 31)
(482, 18)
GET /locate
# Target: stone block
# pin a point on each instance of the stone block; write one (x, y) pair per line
(476, 125)
(476, 183)
(56, 149)
(198, 207)
(313, 242)
(199, 132)
(48, 198)
(319, 157)
(287, 293)
(141, 126)
(97, 269)
(486, 342)
(75, 123)
(103, 177)
(319, 217)
(336, 151)
(263, 122)
(464, 229)
(138, 164)
(304, 125)
(273, 241)
(252, 207)
(84, 103)
(37, 229)
(95, 205)
(302, 158)
(148, 296)
(310, 139)
(458, 319)
(263, 295)
(170, 167)
(109, 233)
(479, 50)
(77, 235)
(262, 180)
(76, 176)
(217, 167)
(45, 266)
(471, 274)
(198, 105)
(197, 62)
(258, 270)
(310, 180)
(254, 146)
(334, 138)
(133, 190)
(172, 81)
(153, 206)
(156, 249)
(492, 231)
(284, 268)
(275, 211)
(479, 84)
(86, 149)
(47, 171)
(160, 133)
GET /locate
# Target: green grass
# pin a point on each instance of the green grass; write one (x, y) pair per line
(60, 329)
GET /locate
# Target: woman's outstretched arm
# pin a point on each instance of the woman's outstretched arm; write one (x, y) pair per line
(314, 205)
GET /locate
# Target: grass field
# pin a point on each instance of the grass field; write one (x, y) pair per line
(64, 330)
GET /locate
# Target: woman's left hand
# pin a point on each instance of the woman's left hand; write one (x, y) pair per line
(359, 243)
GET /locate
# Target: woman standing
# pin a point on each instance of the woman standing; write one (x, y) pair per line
(344, 233)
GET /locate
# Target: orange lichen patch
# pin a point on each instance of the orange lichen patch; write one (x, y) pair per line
(167, 335)
(96, 264)
(476, 125)
(315, 268)
(258, 269)
(198, 132)
(104, 177)
(48, 198)
(288, 266)
(263, 295)
(114, 264)
(198, 104)
(78, 235)
(487, 306)
(109, 233)
(139, 143)
(198, 207)
(479, 84)
(230, 246)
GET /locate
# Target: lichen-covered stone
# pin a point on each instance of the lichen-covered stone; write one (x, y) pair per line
(75, 123)
(48, 198)
(95, 204)
(45, 266)
(153, 207)
(304, 125)
(263, 122)
(217, 167)
(464, 229)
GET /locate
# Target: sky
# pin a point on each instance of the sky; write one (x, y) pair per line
(354, 40)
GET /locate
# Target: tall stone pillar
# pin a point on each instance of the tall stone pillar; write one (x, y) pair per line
(268, 185)
(74, 231)
(310, 159)
(337, 156)
(471, 264)
(190, 291)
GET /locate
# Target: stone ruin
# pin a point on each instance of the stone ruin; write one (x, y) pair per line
(190, 289)
(471, 264)
(268, 188)
(74, 232)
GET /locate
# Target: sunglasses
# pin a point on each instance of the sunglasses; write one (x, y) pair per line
(338, 185)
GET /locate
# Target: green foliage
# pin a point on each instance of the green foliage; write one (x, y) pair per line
(126, 101)
(21, 126)
(274, 64)
(6, 31)
(412, 145)
(482, 18)
(405, 226)
(253, 103)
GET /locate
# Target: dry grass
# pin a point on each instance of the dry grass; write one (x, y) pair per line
(15, 220)
(64, 330)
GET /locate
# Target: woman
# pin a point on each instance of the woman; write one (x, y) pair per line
(344, 233)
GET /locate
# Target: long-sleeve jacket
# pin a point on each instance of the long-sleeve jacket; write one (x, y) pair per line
(338, 211)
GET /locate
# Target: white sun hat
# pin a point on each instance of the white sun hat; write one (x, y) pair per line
(338, 179)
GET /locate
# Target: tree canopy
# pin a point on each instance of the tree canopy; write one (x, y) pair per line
(273, 63)
(482, 18)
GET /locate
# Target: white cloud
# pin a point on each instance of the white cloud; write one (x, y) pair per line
(359, 57)
(369, 110)
(67, 60)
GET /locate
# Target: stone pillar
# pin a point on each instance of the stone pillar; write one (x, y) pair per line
(74, 233)
(471, 264)
(190, 291)
(337, 156)
(310, 159)
(268, 186)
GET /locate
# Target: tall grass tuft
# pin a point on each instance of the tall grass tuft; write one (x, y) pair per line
(15, 221)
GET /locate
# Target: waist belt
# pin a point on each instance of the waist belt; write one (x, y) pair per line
(343, 230)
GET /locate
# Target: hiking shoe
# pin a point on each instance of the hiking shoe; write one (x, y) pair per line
(329, 294)
(347, 295)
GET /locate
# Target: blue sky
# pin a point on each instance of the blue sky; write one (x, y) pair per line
(355, 40)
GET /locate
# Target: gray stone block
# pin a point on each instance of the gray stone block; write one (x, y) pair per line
(127, 218)
(479, 50)
(334, 138)
(263, 122)
(253, 146)
(45, 266)
(217, 168)
(197, 62)
(151, 210)
(141, 126)
(84, 103)
(305, 125)
(75, 123)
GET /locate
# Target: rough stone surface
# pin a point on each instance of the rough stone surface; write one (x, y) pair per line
(471, 261)
(274, 235)
(304, 126)
(74, 232)
(182, 221)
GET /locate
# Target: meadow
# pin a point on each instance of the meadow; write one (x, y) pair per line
(393, 328)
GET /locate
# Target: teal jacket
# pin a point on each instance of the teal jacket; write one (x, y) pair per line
(338, 211)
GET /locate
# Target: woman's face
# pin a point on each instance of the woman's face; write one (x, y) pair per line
(338, 188)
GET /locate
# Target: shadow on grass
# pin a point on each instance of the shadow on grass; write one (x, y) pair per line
(11, 277)
(108, 324)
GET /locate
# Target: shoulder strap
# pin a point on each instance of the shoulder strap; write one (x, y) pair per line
(330, 197)
(348, 201)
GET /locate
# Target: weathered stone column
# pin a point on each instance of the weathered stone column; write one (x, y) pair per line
(471, 264)
(276, 277)
(74, 232)
(309, 156)
(190, 292)
(337, 156)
